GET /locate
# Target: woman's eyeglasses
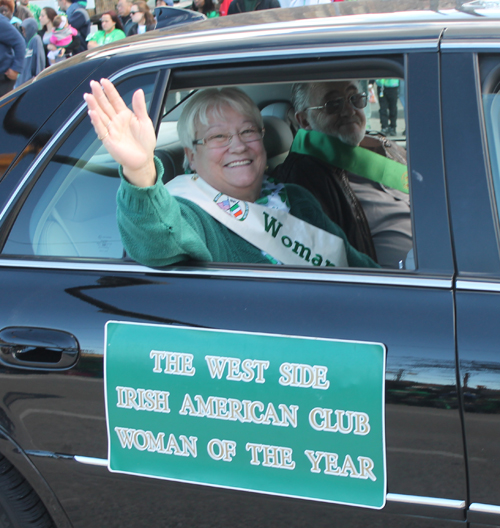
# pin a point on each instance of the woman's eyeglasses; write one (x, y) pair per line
(335, 106)
(224, 140)
(134, 12)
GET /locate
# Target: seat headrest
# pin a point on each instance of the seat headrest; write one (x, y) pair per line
(172, 158)
(278, 137)
(284, 110)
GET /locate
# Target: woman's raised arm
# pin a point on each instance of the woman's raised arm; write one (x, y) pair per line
(128, 136)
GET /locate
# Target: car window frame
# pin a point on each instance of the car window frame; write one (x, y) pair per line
(476, 241)
(423, 277)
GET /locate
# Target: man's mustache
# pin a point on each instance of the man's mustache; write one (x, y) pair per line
(350, 121)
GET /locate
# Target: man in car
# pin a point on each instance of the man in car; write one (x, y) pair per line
(77, 18)
(375, 217)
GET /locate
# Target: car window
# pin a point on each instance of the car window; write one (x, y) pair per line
(490, 88)
(386, 135)
(491, 104)
(20, 117)
(71, 211)
(24, 110)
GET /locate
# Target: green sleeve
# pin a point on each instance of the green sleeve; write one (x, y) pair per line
(95, 36)
(305, 206)
(355, 258)
(117, 34)
(156, 229)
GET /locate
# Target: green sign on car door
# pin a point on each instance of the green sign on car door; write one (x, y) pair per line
(274, 414)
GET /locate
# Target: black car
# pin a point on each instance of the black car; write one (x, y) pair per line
(67, 285)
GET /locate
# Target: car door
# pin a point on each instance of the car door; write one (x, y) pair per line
(64, 272)
(474, 185)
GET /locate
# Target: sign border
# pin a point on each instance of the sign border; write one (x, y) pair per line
(184, 327)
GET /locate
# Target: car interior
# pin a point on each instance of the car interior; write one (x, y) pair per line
(74, 214)
(280, 125)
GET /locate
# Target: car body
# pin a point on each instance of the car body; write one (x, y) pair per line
(64, 274)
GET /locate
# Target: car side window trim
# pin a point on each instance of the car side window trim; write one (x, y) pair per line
(363, 276)
(159, 93)
(330, 51)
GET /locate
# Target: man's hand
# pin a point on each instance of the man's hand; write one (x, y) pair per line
(11, 74)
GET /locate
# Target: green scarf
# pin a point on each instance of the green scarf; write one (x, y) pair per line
(357, 160)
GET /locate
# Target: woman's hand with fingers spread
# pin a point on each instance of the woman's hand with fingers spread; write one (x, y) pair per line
(128, 136)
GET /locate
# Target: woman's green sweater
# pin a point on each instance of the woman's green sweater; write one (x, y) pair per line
(158, 229)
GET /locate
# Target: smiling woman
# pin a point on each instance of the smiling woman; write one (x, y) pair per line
(227, 151)
(224, 212)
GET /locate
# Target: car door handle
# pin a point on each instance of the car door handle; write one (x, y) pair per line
(37, 348)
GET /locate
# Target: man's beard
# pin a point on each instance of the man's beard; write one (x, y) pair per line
(352, 138)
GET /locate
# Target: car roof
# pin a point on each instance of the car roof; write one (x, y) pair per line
(381, 24)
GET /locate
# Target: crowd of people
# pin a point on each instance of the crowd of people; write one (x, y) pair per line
(32, 38)
(43, 37)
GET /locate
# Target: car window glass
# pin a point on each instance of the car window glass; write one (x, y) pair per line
(20, 117)
(280, 128)
(71, 211)
(491, 104)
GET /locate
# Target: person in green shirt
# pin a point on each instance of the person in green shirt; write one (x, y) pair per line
(206, 7)
(112, 30)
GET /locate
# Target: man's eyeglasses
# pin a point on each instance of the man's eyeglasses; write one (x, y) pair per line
(224, 140)
(335, 106)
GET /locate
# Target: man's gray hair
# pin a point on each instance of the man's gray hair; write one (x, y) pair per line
(301, 94)
(213, 101)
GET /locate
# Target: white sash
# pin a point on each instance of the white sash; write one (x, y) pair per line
(278, 233)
